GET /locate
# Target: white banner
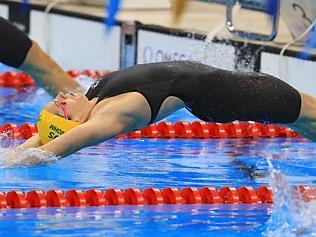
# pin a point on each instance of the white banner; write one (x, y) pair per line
(158, 47)
(4, 11)
(297, 72)
(76, 43)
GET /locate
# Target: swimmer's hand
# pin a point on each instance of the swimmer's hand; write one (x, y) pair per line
(31, 156)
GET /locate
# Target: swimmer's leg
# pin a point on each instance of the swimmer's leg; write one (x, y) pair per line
(306, 122)
(46, 72)
(19, 51)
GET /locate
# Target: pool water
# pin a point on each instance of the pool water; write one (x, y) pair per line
(145, 163)
(161, 220)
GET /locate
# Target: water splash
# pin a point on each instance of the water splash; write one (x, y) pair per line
(291, 216)
(6, 141)
(10, 157)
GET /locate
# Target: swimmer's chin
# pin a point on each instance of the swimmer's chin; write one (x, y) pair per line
(28, 157)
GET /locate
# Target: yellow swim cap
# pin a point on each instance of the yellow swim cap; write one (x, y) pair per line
(51, 126)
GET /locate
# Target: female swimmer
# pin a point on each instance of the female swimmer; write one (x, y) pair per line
(132, 98)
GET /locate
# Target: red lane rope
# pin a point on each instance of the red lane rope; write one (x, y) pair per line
(197, 129)
(147, 196)
(20, 79)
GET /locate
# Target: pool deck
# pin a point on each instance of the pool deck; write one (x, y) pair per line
(199, 17)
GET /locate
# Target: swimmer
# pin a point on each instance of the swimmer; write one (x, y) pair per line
(19, 51)
(132, 98)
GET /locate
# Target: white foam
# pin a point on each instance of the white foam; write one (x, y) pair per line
(31, 156)
(291, 216)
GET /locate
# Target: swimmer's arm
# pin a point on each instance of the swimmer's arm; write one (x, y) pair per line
(121, 115)
(90, 133)
(32, 142)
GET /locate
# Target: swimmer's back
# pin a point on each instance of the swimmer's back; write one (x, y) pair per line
(146, 75)
(155, 81)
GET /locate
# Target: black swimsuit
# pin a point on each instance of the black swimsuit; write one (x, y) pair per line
(209, 93)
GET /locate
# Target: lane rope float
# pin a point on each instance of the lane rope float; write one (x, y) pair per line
(22, 79)
(147, 196)
(180, 129)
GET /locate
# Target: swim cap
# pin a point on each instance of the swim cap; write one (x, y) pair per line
(51, 126)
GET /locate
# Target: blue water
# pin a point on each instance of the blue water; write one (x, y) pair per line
(164, 220)
(145, 163)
